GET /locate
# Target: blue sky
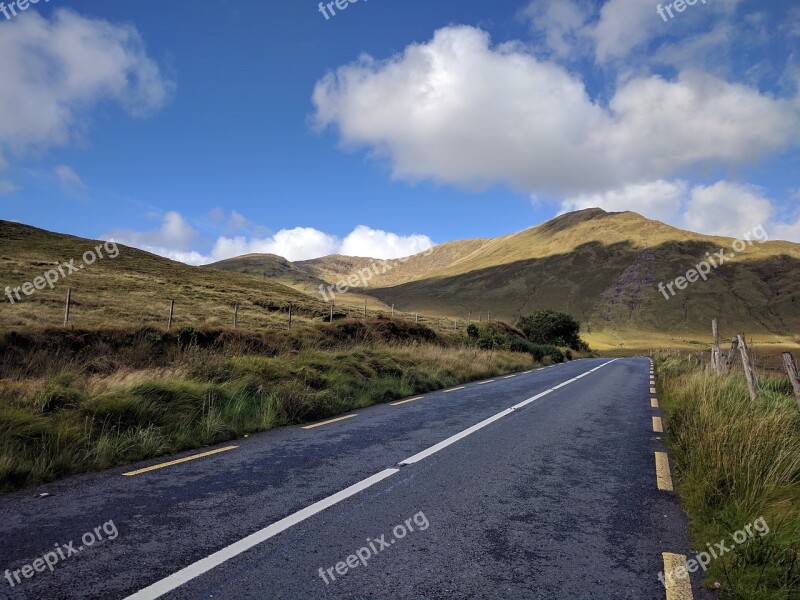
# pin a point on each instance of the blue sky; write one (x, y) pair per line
(206, 129)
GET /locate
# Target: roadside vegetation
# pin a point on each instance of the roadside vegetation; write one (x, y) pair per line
(75, 401)
(734, 461)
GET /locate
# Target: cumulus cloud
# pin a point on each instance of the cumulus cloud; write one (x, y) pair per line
(623, 25)
(723, 208)
(727, 208)
(374, 243)
(54, 71)
(177, 239)
(561, 25)
(300, 243)
(660, 199)
(477, 115)
(172, 239)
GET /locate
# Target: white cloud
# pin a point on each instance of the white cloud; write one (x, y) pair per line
(723, 208)
(54, 71)
(70, 181)
(561, 24)
(623, 25)
(300, 243)
(172, 239)
(176, 239)
(374, 243)
(660, 199)
(726, 208)
(475, 116)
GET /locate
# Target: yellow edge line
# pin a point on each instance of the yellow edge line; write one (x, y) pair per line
(676, 577)
(663, 474)
(406, 401)
(329, 422)
(485, 382)
(658, 425)
(653, 403)
(453, 390)
(179, 461)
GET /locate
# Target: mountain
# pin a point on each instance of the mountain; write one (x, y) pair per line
(603, 268)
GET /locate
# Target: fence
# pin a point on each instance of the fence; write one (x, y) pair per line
(335, 313)
(723, 364)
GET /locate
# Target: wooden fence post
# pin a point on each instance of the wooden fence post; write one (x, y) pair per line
(290, 317)
(235, 315)
(393, 311)
(365, 309)
(749, 372)
(66, 310)
(726, 368)
(716, 355)
(331, 312)
(791, 370)
(171, 313)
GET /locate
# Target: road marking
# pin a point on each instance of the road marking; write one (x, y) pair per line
(168, 584)
(663, 474)
(163, 587)
(485, 382)
(653, 403)
(658, 425)
(459, 436)
(678, 588)
(330, 421)
(407, 401)
(526, 372)
(179, 461)
(653, 390)
(509, 376)
(453, 390)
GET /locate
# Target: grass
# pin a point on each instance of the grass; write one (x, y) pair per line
(736, 461)
(78, 401)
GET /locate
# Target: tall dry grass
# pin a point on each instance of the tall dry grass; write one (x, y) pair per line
(75, 402)
(735, 461)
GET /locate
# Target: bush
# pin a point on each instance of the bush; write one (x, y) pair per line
(551, 327)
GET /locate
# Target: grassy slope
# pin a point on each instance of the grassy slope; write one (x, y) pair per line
(75, 401)
(735, 461)
(135, 288)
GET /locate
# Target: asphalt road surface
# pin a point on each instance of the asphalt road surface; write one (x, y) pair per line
(542, 485)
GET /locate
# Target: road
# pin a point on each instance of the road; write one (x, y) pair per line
(541, 485)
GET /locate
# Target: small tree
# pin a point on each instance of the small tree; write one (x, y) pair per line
(551, 327)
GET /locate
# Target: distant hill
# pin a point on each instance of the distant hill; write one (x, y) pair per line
(601, 267)
(134, 288)
(272, 267)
